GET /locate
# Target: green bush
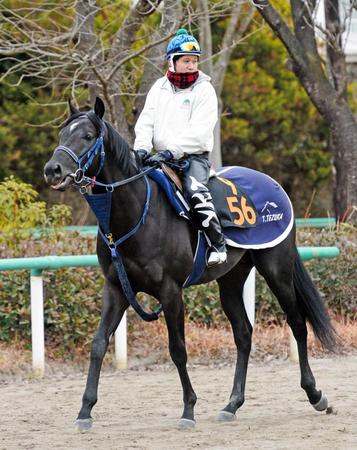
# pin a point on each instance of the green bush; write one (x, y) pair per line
(72, 306)
(202, 304)
(21, 212)
(15, 314)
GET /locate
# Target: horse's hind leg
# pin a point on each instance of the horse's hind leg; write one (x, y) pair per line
(171, 298)
(231, 292)
(113, 308)
(276, 265)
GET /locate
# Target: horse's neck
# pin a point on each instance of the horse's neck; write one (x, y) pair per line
(128, 201)
(112, 170)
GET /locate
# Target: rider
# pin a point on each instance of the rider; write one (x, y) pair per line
(178, 118)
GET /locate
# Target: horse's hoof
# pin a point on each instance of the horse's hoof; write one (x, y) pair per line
(322, 404)
(186, 424)
(225, 416)
(83, 425)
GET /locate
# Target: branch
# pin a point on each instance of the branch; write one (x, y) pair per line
(149, 6)
(304, 27)
(127, 32)
(21, 33)
(335, 54)
(136, 54)
(281, 29)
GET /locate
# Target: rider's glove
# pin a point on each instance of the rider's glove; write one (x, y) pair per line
(141, 157)
(159, 158)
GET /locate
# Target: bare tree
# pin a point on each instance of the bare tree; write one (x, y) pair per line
(328, 93)
(71, 52)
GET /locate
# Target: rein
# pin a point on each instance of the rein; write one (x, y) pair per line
(101, 207)
(111, 186)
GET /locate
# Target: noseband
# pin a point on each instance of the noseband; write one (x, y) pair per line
(85, 160)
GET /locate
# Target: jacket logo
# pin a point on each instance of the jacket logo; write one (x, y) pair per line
(186, 104)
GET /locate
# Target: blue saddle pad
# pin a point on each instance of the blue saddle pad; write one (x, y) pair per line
(274, 217)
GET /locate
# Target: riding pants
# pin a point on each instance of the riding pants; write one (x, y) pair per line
(195, 180)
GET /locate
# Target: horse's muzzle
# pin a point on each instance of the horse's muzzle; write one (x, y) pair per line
(56, 177)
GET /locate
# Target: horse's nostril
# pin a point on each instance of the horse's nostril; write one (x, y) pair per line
(57, 170)
(53, 172)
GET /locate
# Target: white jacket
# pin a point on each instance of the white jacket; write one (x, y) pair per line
(181, 121)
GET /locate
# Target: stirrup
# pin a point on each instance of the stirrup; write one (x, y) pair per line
(216, 257)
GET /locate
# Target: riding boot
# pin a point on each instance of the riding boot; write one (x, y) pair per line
(205, 213)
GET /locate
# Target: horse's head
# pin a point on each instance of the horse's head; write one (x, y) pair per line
(80, 146)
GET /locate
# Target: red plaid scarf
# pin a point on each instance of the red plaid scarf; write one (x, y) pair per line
(182, 80)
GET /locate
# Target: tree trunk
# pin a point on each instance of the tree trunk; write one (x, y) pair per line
(216, 155)
(344, 144)
(336, 58)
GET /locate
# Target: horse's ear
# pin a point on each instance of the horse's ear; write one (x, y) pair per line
(99, 107)
(72, 108)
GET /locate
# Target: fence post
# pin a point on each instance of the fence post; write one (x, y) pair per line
(37, 323)
(120, 342)
(249, 296)
(293, 348)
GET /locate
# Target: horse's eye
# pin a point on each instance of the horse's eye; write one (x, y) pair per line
(88, 137)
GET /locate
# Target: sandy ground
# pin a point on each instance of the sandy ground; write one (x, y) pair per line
(139, 409)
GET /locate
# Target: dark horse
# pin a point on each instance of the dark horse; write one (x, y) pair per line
(159, 257)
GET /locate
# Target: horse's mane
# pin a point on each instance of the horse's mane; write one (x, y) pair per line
(120, 148)
(116, 144)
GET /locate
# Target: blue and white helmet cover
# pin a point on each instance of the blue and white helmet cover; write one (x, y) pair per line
(182, 44)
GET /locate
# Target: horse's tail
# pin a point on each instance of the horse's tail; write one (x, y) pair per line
(312, 305)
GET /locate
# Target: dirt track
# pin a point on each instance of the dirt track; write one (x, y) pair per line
(140, 409)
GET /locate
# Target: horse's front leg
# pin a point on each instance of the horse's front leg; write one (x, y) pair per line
(174, 314)
(113, 307)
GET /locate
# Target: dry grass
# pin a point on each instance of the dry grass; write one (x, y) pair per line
(14, 359)
(147, 345)
(209, 344)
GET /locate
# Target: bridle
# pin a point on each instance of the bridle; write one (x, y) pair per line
(85, 159)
